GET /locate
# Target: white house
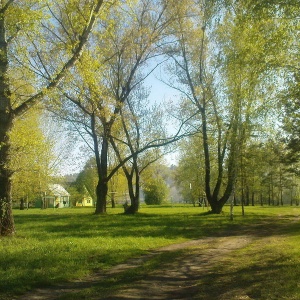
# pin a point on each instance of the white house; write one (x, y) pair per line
(56, 196)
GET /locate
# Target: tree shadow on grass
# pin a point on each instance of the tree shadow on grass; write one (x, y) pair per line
(267, 281)
(65, 227)
(191, 226)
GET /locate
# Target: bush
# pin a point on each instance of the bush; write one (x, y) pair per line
(155, 192)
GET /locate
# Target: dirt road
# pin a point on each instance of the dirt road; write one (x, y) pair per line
(178, 279)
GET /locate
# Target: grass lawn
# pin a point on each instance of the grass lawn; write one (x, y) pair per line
(56, 245)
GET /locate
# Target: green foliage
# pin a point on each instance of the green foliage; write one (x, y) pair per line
(30, 157)
(156, 191)
(87, 179)
(291, 120)
(23, 17)
(189, 174)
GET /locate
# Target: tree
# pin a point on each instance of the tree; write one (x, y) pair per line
(37, 47)
(105, 78)
(221, 67)
(280, 26)
(117, 188)
(155, 181)
(145, 141)
(30, 158)
(189, 174)
(155, 191)
(195, 77)
(87, 179)
(291, 123)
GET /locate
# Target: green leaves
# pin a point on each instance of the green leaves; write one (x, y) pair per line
(31, 155)
(23, 17)
(155, 191)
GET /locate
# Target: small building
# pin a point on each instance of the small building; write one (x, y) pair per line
(55, 197)
(86, 199)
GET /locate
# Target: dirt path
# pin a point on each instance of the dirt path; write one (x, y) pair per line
(178, 279)
(175, 280)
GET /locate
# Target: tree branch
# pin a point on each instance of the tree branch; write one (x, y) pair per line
(68, 65)
(6, 6)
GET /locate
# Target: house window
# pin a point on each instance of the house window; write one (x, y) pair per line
(88, 201)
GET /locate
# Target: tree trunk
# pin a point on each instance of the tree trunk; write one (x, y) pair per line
(261, 199)
(134, 194)
(272, 191)
(243, 207)
(247, 196)
(113, 202)
(216, 206)
(102, 166)
(7, 226)
(136, 203)
(242, 195)
(22, 204)
(101, 191)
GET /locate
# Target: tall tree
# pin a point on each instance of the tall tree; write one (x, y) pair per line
(144, 137)
(279, 22)
(223, 64)
(38, 45)
(193, 76)
(130, 38)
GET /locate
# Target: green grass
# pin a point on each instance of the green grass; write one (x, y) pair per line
(263, 270)
(53, 246)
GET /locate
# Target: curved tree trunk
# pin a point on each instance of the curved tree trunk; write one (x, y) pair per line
(134, 191)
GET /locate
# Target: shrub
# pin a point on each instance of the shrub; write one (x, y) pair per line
(155, 192)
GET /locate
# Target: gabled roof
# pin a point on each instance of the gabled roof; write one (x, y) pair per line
(57, 190)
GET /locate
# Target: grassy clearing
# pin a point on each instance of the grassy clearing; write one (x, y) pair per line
(58, 245)
(268, 269)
